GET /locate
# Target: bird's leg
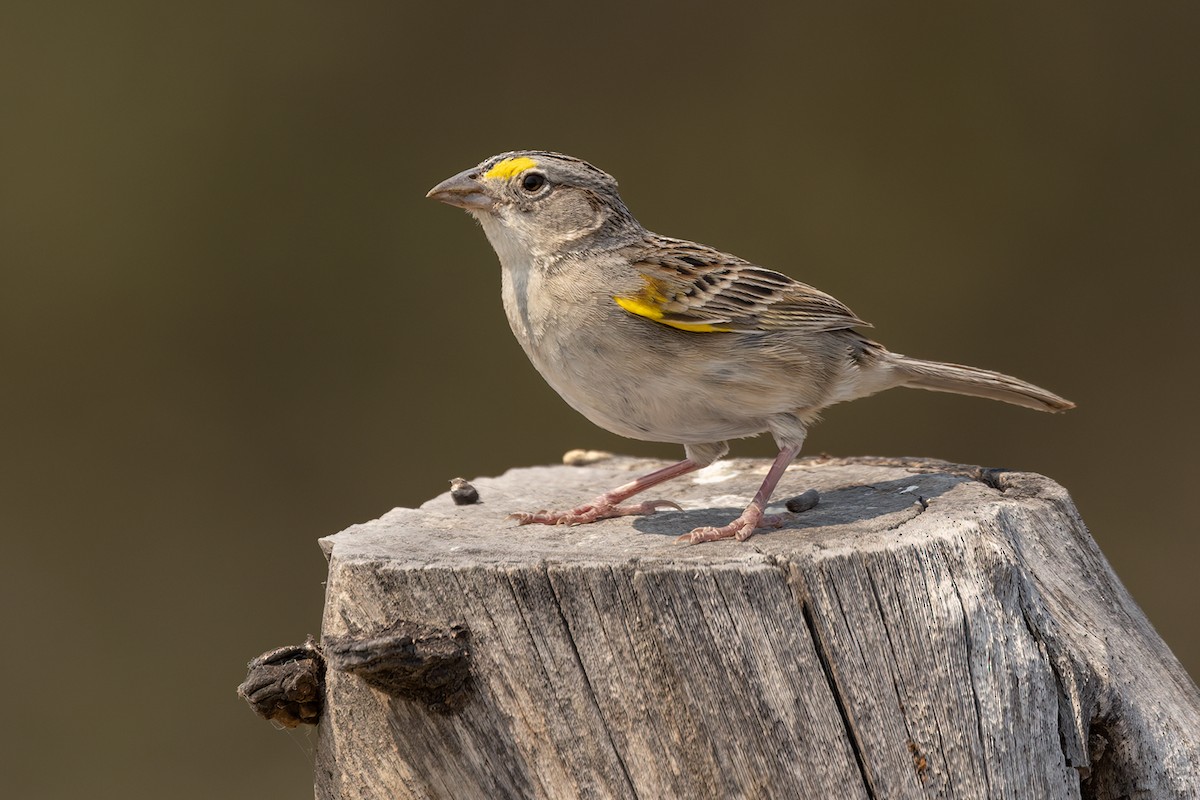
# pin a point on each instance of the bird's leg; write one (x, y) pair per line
(608, 504)
(743, 527)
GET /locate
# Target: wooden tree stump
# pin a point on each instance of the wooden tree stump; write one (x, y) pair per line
(928, 630)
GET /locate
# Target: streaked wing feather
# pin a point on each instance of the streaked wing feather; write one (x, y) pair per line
(697, 285)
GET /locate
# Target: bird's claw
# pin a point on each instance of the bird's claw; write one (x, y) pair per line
(741, 529)
(598, 509)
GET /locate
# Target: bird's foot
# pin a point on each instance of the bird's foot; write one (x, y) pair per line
(600, 508)
(741, 528)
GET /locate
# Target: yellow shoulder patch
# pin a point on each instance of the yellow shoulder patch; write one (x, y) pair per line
(509, 167)
(649, 310)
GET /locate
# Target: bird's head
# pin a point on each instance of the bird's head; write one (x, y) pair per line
(541, 201)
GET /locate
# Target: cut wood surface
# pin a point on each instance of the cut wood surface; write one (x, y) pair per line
(927, 630)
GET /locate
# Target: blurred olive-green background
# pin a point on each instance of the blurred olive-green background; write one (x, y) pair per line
(231, 323)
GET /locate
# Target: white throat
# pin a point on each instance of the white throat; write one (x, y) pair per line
(516, 267)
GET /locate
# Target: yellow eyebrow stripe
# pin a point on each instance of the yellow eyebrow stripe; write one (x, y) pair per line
(510, 166)
(649, 311)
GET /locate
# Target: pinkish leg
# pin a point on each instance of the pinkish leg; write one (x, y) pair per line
(608, 504)
(743, 527)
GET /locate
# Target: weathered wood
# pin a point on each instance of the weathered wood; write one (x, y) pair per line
(287, 685)
(927, 630)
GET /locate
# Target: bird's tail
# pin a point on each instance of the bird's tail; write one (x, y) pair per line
(939, 377)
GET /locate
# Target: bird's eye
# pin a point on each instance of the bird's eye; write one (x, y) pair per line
(533, 181)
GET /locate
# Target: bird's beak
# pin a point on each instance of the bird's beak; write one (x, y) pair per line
(464, 191)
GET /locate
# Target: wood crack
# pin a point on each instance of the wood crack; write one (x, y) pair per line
(1068, 710)
(587, 681)
(895, 656)
(514, 596)
(838, 699)
(969, 647)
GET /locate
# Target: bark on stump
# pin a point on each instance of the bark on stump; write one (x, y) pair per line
(928, 630)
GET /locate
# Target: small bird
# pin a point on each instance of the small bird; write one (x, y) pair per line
(668, 340)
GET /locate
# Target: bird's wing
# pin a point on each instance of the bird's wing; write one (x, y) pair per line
(697, 288)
